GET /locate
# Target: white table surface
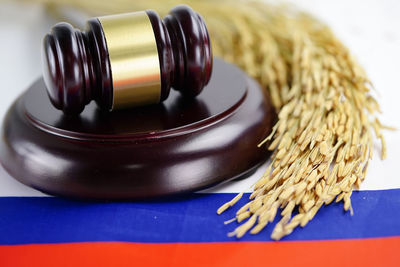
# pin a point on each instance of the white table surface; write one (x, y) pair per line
(371, 29)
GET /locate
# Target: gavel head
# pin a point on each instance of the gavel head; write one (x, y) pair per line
(126, 60)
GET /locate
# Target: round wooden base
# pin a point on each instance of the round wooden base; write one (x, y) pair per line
(177, 146)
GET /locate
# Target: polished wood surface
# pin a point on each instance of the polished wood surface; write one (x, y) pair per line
(77, 70)
(184, 49)
(76, 67)
(173, 147)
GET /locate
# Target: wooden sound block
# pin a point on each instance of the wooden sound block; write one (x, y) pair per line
(178, 146)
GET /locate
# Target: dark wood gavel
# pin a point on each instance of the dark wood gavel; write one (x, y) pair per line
(126, 60)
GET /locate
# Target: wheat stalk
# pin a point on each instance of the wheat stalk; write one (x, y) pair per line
(322, 141)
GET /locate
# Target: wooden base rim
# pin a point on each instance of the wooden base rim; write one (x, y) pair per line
(178, 146)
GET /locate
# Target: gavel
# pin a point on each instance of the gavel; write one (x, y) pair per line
(126, 60)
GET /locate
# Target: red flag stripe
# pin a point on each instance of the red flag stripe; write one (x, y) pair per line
(350, 252)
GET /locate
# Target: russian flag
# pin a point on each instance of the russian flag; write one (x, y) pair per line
(186, 231)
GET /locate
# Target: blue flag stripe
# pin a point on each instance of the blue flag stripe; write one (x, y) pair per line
(193, 218)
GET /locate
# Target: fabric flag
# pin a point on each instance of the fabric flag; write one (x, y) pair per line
(186, 231)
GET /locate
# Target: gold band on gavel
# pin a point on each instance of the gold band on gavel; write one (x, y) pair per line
(133, 55)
